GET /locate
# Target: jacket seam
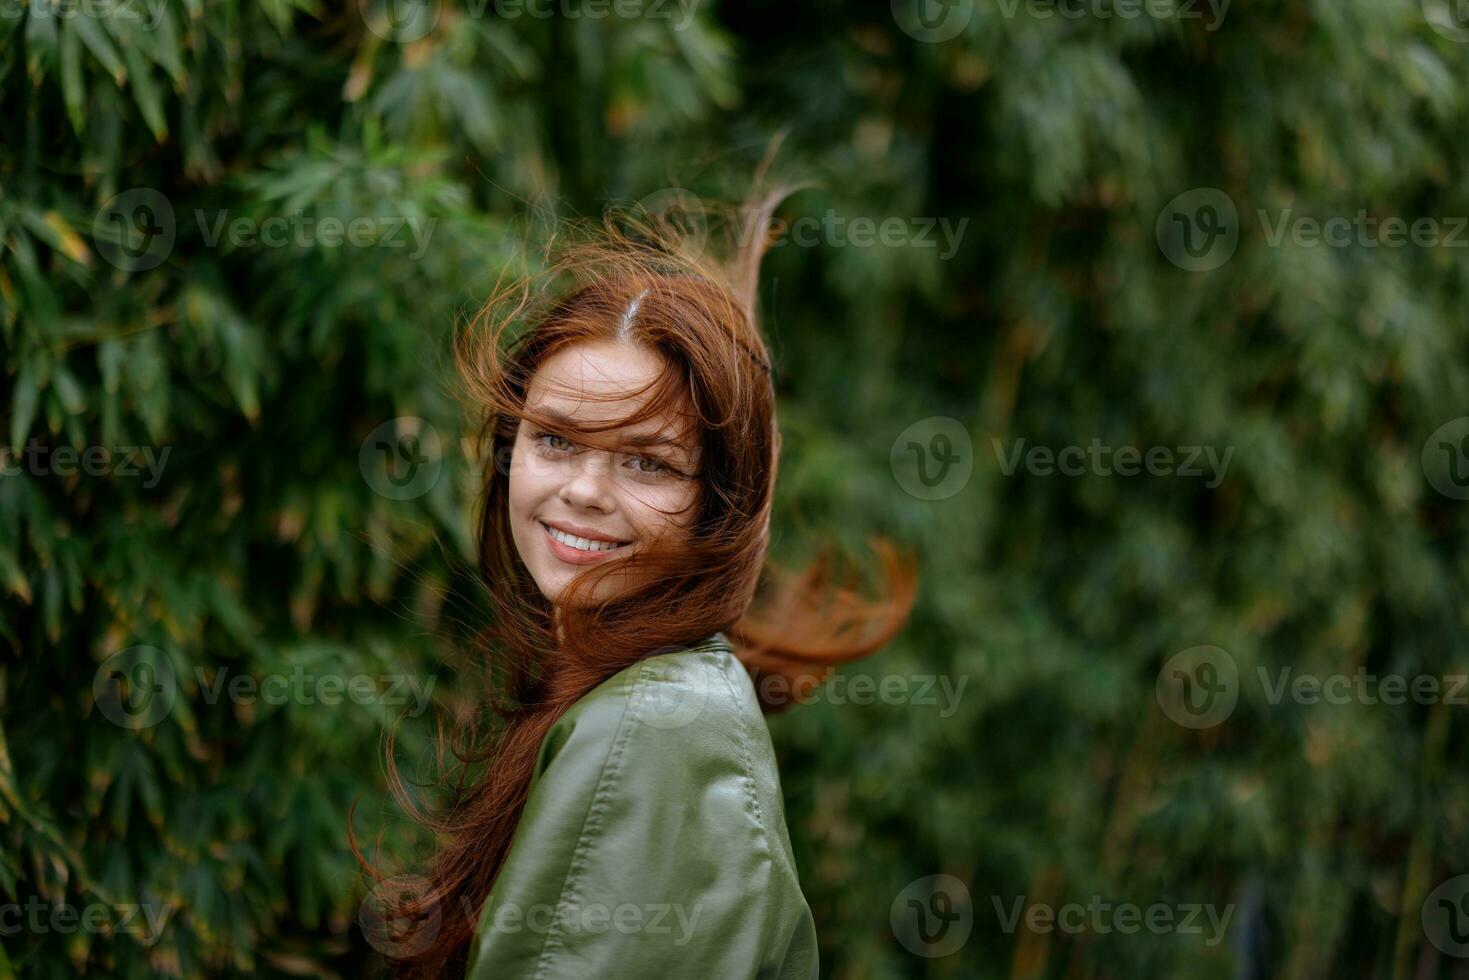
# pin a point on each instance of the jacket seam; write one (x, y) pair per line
(606, 783)
(591, 825)
(747, 760)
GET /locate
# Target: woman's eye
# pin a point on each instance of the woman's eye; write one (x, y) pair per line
(650, 466)
(543, 436)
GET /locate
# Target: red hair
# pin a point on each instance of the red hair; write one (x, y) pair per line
(643, 286)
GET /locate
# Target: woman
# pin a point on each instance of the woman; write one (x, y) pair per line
(625, 815)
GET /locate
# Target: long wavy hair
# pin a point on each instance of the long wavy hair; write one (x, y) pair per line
(640, 279)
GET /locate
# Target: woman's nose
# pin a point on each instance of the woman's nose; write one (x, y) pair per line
(589, 482)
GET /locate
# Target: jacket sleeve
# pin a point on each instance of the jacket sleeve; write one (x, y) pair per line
(643, 846)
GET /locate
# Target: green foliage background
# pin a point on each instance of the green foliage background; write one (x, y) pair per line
(1059, 320)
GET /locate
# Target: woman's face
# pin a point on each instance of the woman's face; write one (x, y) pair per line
(574, 505)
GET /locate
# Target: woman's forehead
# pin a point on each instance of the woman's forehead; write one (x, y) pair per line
(600, 382)
(599, 368)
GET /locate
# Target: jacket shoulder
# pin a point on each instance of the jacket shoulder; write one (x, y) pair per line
(691, 702)
(656, 795)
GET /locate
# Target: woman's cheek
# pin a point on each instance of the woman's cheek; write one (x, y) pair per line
(667, 517)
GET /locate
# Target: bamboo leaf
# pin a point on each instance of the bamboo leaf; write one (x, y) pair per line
(23, 402)
(145, 92)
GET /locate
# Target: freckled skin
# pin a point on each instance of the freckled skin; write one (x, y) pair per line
(618, 493)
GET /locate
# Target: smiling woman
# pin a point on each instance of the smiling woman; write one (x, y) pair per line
(622, 547)
(572, 506)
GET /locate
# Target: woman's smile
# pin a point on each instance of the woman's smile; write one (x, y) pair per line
(578, 550)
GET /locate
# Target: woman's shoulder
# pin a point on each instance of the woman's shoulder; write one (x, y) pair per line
(683, 707)
(676, 725)
(657, 796)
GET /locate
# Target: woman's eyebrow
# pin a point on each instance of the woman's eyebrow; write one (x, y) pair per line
(653, 440)
(632, 439)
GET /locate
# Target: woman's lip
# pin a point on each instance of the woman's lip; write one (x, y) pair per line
(577, 531)
(575, 556)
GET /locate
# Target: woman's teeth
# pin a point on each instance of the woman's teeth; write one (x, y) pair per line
(581, 544)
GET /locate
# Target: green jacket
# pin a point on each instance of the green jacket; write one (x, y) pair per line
(653, 844)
